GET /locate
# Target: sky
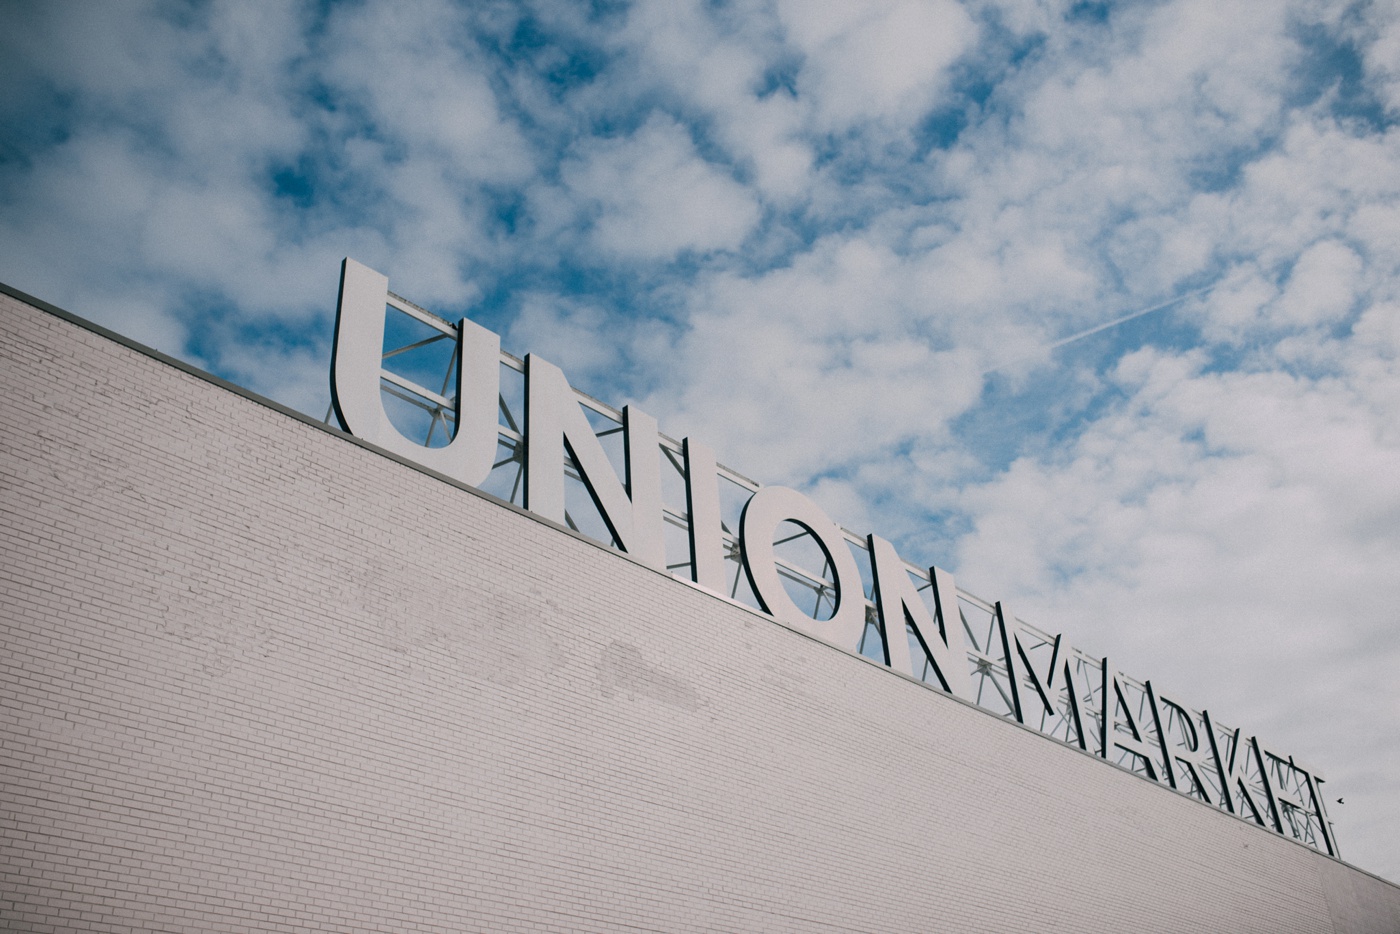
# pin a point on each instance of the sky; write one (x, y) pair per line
(1095, 305)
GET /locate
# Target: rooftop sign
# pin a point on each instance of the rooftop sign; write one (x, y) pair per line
(516, 429)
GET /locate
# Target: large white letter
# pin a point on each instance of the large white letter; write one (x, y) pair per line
(1133, 735)
(1058, 675)
(1189, 760)
(764, 512)
(703, 516)
(356, 364)
(898, 601)
(553, 419)
(1234, 773)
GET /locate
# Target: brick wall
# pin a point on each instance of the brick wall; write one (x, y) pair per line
(255, 676)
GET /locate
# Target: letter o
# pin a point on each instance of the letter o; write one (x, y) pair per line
(764, 512)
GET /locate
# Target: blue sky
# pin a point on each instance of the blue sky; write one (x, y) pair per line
(840, 242)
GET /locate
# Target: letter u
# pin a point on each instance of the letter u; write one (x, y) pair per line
(356, 363)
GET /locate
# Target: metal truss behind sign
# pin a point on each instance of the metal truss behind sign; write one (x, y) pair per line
(446, 396)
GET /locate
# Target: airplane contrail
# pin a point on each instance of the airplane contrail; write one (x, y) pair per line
(1109, 324)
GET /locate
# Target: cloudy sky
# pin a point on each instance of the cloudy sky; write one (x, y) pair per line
(1094, 304)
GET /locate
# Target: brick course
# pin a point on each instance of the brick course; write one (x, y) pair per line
(256, 676)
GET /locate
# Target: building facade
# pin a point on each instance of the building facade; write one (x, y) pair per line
(259, 675)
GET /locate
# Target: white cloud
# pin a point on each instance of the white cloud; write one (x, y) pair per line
(656, 197)
(812, 367)
(580, 338)
(1322, 286)
(1379, 329)
(416, 71)
(1213, 526)
(875, 61)
(1379, 38)
(720, 70)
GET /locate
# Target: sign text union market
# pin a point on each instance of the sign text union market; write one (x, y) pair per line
(524, 434)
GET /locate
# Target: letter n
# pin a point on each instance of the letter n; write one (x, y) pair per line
(554, 421)
(899, 605)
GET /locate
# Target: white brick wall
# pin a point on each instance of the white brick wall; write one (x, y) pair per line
(256, 677)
